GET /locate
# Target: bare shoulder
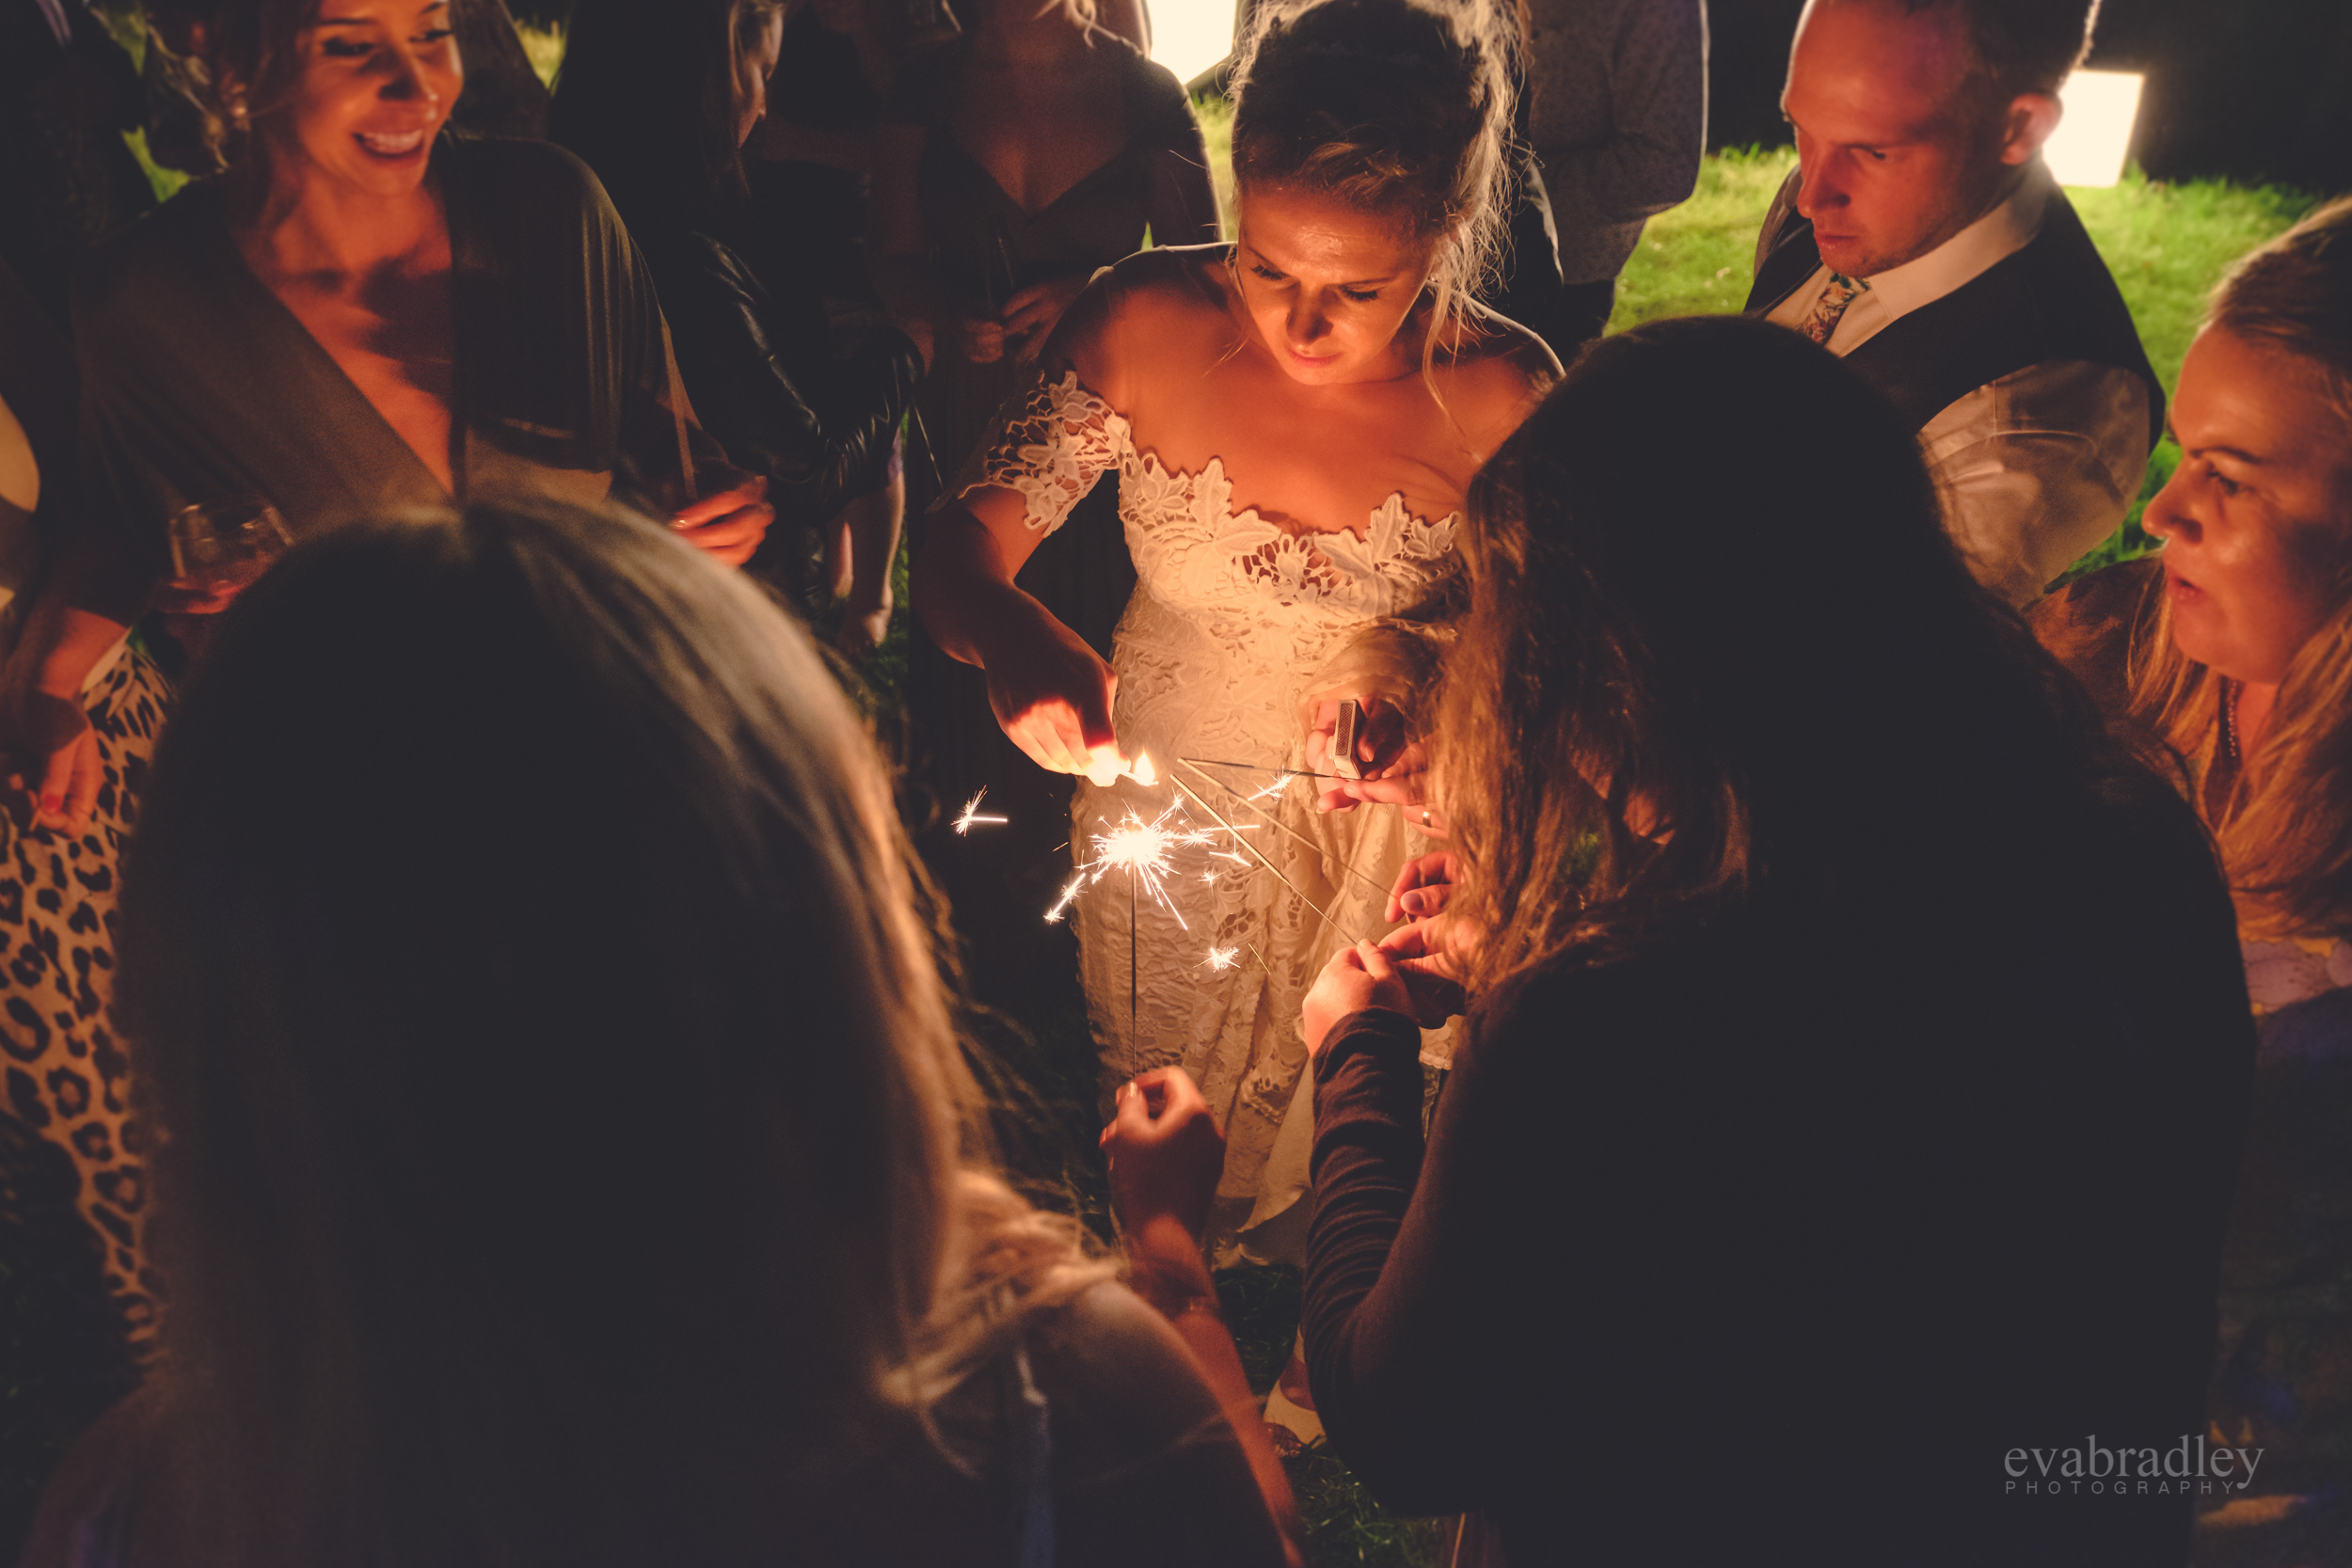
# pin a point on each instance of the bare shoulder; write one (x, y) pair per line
(1110, 1360)
(1493, 376)
(1169, 286)
(1148, 1469)
(1137, 314)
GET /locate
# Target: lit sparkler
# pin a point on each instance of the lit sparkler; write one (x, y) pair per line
(1141, 849)
(972, 814)
(1223, 959)
(1144, 850)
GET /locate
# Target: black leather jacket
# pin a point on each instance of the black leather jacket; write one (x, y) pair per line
(822, 431)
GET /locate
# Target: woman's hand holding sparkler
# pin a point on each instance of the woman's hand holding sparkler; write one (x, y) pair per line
(1053, 695)
(1431, 957)
(1165, 1154)
(1165, 1151)
(1356, 977)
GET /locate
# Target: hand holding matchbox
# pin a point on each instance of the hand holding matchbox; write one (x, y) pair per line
(1359, 746)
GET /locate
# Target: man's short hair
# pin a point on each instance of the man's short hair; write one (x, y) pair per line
(2024, 45)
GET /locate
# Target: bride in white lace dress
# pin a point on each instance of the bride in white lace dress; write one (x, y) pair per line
(1293, 420)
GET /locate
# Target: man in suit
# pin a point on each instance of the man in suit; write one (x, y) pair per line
(1924, 241)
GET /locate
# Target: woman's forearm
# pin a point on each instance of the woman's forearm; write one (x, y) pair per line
(81, 612)
(1169, 1273)
(964, 591)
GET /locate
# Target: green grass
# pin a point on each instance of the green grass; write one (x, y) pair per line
(1699, 258)
(545, 45)
(2168, 246)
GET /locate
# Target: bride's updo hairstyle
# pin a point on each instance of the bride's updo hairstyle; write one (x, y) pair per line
(1392, 106)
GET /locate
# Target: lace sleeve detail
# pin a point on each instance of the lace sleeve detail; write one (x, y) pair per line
(1051, 445)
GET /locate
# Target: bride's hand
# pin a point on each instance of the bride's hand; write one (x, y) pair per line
(1053, 695)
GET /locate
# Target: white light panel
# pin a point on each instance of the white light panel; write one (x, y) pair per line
(2095, 137)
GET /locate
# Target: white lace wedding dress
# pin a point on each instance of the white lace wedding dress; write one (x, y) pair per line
(1230, 620)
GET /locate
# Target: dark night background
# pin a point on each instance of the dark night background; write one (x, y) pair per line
(2255, 91)
(2249, 89)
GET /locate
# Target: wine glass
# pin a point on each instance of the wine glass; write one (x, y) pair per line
(221, 547)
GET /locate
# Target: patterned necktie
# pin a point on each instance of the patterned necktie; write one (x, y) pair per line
(1830, 308)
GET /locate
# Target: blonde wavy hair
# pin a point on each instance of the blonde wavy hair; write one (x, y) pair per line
(1392, 106)
(2284, 825)
(571, 1151)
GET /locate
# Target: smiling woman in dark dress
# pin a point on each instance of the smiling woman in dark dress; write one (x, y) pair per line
(361, 314)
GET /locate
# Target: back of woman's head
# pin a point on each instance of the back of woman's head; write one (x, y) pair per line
(1393, 106)
(646, 97)
(1710, 589)
(567, 1142)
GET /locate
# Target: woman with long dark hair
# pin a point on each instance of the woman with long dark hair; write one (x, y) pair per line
(659, 98)
(579, 1167)
(1856, 1055)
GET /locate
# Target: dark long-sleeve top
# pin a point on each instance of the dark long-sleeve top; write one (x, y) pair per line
(1772, 1243)
(822, 432)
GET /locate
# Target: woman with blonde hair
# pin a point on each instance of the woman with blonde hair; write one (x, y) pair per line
(1293, 420)
(1856, 1048)
(576, 1164)
(2233, 651)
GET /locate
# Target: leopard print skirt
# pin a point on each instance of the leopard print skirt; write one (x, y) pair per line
(65, 1074)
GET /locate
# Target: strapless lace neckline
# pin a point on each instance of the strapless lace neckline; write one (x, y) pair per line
(1193, 550)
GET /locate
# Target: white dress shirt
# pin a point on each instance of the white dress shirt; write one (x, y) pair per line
(2034, 469)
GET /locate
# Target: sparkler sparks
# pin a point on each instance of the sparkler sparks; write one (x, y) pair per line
(1144, 850)
(1223, 959)
(972, 814)
(1141, 849)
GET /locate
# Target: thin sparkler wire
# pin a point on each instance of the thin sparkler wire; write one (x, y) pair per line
(1257, 767)
(1302, 838)
(1135, 1044)
(1261, 860)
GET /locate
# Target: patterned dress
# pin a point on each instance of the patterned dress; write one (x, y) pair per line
(1230, 623)
(67, 1076)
